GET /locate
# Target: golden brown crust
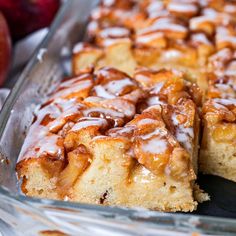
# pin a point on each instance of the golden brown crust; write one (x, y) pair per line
(195, 37)
(161, 138)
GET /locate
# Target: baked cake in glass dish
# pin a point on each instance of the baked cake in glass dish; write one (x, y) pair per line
(158, 34)
(125, 129)
(195, 37)
(104, 137)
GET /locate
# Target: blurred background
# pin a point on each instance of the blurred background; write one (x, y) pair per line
(23, 25)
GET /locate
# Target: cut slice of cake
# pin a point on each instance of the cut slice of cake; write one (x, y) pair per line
(139, 165)
(116, 140)
(218, 149)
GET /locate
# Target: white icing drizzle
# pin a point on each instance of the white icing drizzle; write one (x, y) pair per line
(197, 22)
(225, 36)
(79, 47)
(94, 99)
(121, 131)
(143, 79)
(157, 131)
(117, 86)
(106, 111)
(88, 122)
(210, 12)
(155, 146)
(121, 105)
(102, 92)
(30, 141)
(171, 54)
(174, 119)
(108, 3)
(155, 6)
(49, 146)
(39, 136)
(154, 100)
(70, 82)
(226, 102)
(162, 20)
(184, 135)
(38, 142)
(157, 87)
(67, 103)
(230, 8)
(219, 106)
(114, 32)
(226, 91)
(98, 12)
(230, 71)
(222, 87)
(159, 14)
(64, 117)
(147, 38)
(76, 88)
(200, 38)
(165, 25)
(182, 7)
(146, 121)
(92, 27)
(226, 39)
(106, 42)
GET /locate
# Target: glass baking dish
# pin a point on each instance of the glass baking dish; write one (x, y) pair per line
(30, 216)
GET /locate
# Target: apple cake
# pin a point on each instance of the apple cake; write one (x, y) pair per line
(126, 128)
(166, 34)
(104, 137)
(196, 37)
(218, 149)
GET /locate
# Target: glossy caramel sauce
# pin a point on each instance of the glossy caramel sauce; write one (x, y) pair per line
(183, 32)
(109, 109)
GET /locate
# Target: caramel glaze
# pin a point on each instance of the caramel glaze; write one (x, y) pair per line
(220, 105)
(185, 34)
(189, 33)
(223, 86)
(110, 104)
(219, 110)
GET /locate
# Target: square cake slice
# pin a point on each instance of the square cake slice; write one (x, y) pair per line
(218, 149)
(116, 140)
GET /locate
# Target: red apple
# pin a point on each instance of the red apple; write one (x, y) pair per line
(26, 16)
(5, 49)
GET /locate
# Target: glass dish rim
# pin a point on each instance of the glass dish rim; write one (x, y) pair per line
(126, 211)
(122, 211)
